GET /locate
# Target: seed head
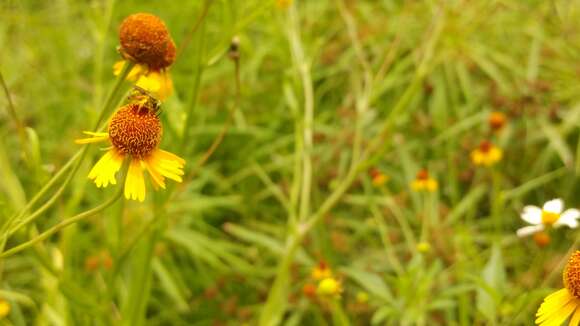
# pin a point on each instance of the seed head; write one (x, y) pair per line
(145, 39)
(135, 130)
(571, 274)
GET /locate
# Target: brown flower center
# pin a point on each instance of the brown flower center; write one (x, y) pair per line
(485, 146)
(145, 39)
(571, 274)
(422, 174)
(135, 130)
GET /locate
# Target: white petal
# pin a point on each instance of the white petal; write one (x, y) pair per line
(554, 206)
(529, 230)
(532, 215)
(569, 218)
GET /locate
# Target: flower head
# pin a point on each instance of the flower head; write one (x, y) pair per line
(378, 178)
(542, 239)
(497, 120)
(560, 305)
(135, 133)
(423, 247)
(551, 214)
(4, 308)
(283, 4)
(145, 40)
(329, 287)
(424, 182)
(486, 154)
(321, 271)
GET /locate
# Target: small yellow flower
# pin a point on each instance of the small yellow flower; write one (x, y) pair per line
(423, 182)
(321, 271)
(4, 308)
(135, 133)
(560, 305)
(329, 287)
(156, 82)
(378, 178)
(486, 154)
(423, 247)
(362, 297)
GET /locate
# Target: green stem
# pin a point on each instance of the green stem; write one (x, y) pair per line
(63, 224)
(14, 116)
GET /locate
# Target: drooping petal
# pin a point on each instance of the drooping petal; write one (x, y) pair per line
(554, 206)
(158, 83)
(575, 320)
(552, 306)
(103, 173)
(532, 214)
(135, 183)
(569, 218)
(96, 137)
(137, 70)
(166, 164)
(558, 315)
(529, 230)
(158, 179)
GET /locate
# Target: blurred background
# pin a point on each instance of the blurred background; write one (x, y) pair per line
(325, 118)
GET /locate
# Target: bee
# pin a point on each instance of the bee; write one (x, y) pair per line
(144, 100)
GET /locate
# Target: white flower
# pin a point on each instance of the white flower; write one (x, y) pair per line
(550, 214)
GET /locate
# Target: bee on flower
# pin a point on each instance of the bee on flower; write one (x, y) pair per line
(552, 214)
(134, 133)
(560, 305)
(424, 182)
(145, 41)
(486, 154)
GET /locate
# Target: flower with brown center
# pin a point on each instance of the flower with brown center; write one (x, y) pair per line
(486, 154)
(423, 182)
(560, 305)
(145, 40)
(497, 120)
(135, 132)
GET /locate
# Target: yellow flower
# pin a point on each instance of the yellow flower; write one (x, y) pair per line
(135, 133)
(4, 308)
(423, 182)
(560, 305)
(423, 247)
(329, 287)
(158, 82)
(486, 154)
(321, 271)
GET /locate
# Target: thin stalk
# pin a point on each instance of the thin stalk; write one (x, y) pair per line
(12, 112)
(303, 67)
(63, 224)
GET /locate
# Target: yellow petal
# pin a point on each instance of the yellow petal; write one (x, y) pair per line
(137, 70)
(554, 305)
(167, 164)
(158, 179)
(103, 173)
(157, 82)
(575, 321)
(135, 183)
(557, 318)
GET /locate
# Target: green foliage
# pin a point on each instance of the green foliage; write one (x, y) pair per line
(282, 150)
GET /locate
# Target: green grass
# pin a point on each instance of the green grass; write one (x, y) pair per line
(328, 91)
